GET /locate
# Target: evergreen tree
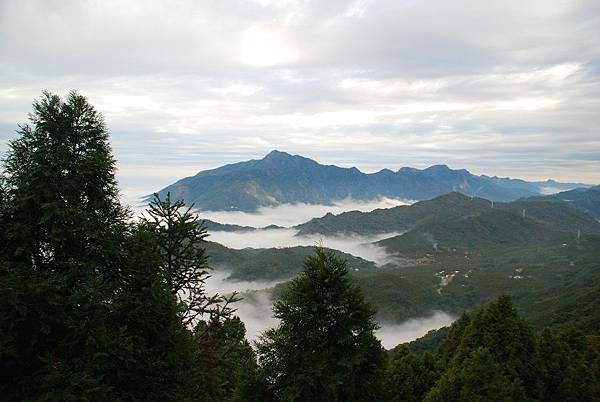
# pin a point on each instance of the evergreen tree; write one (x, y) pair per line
(409, 376)
(324, 348)
(570, 366)
(225, 363)
(479, 378)
(181, 237)
(61, 190)
(62, 230)
(154, 356)
(510, 339)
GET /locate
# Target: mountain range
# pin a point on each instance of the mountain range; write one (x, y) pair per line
(281, 178)
(454, 206)
(587, 200)
(458, 253)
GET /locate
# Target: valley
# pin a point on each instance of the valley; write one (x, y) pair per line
(444, 256)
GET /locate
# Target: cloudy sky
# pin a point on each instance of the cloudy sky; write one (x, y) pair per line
(510, 88)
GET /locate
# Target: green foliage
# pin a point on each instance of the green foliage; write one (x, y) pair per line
(510, 340)
(324, 348)
(447, 209)
(479, 378)
(409, 376)
(586, 199)
(180, 240)
(93, 307)
(493, 355)
(62, 230)
(272, 263)
(225, 363)
(155, 350)
(61, 190)
(89, 305)
(570, 366)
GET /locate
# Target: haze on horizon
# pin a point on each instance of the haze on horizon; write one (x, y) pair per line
(507, 89)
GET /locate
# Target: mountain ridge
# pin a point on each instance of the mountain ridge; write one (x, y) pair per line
(281, 178)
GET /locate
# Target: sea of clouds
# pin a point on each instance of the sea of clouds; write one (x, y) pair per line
(287, 215)
(256, 307)
(359, 246)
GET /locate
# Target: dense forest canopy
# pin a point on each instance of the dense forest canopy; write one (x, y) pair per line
(96, 306)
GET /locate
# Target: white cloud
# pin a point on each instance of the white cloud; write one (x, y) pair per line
(287, 215)
(393, 334)
(371, 84)
(359, 246)
(256, 312)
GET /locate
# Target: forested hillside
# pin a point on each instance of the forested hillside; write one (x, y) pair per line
(449, 207)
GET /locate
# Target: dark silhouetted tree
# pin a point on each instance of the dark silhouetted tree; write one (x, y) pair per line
(410, 377)
(181, 237)
(61, 243)
(479, 378)
(324, 348)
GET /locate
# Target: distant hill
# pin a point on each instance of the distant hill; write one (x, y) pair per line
(281, 178)
(458, 253)
(269, 264)
(213, 226)
(587, 200)
(449, 207)
(493, 229)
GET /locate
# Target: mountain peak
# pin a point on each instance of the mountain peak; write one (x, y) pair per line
(438, 168)
(280, 177)
(275, 154)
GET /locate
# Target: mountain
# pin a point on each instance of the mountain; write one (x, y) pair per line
(281, 178)
(446, 208)
(493, 229)
(586, 199)
(458, 253)
(270, 264)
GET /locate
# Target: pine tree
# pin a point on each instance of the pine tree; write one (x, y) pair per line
(570, 365)
(181, 237)
(154, 356)
(62, 230)
(410, 377)
(479, 378)
(510, 341)
(225, 363)
(324, 348)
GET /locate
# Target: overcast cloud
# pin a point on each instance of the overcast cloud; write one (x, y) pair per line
(508, 88)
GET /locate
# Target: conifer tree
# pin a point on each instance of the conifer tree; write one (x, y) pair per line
(180, 242)
(324, 348)
(509, 341)
(62, 229)
(154, 356)
(479, 378)
(409, 377)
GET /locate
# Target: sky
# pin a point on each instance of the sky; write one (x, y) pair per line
(508, 88)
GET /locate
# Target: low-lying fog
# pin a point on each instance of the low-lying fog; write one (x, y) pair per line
(255, 311)
(393, 334)
(358, 246)
(294, 214)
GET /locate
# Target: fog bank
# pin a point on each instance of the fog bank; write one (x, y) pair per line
(293, 214)
(394, 334)
(359, 246)
(255, 310)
